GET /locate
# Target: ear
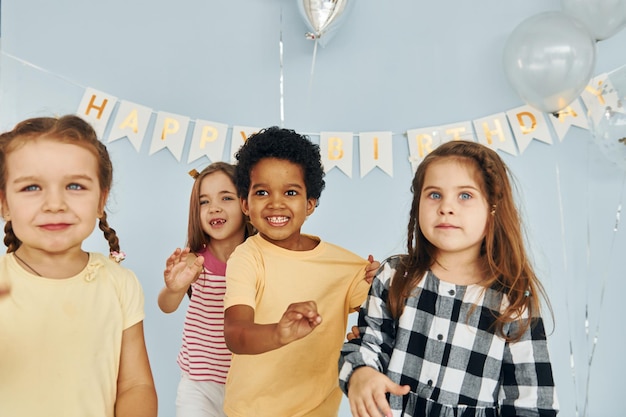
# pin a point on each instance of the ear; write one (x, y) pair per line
(311, 203)
(4, 210)
(243, 203)
(104, 195)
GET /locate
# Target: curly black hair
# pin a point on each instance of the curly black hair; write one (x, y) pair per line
(285, 144)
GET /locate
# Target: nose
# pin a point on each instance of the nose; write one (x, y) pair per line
(215, 207)
(276, 200)
(54, 201)
(446, 206)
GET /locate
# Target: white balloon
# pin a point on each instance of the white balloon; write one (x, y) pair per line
(549, 59)
(323, 17)
(603, 18)
(610, 135)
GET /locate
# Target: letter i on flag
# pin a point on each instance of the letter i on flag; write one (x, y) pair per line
(376, 150)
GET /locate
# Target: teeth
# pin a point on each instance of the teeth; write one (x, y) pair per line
(277, 219)
(217, 221)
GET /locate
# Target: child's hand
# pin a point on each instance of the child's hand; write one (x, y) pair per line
(298, 321)
(367, 392)
(370, 270)
(181, 269)
(354, 333)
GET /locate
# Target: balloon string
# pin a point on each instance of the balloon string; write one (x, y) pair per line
(312, 67)
(281, 77)
(569, 328)
(602, 292)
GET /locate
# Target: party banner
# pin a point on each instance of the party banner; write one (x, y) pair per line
(511, 131)
(208, 139)
(598, 95)
(528, 124)
(336, 151)
(376, 150)
(170, 131)
(494, 132)
(572, 115)
(422, 141)
(96, 108)
(238, 137)
(131, 121)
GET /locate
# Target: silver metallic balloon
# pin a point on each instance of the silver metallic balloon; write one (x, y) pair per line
(323, 17)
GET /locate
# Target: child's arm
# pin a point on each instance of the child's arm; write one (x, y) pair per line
(244, 336)
(136, 394)
(181, 269)
(527, 380)
(367, 391)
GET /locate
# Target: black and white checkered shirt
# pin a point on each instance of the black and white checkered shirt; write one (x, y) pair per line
(445, 348)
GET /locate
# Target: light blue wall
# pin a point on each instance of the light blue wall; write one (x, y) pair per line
(392, 66)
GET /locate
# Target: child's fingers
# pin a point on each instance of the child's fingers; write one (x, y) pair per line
(305, 309)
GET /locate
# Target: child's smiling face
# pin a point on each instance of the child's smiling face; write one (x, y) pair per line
(277, 202)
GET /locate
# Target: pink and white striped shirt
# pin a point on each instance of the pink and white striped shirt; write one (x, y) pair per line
(203, 354)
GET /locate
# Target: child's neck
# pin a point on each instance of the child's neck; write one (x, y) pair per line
(222, 249)
(56, 266)
(458, 271)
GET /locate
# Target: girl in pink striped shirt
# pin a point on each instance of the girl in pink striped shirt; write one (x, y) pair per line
(216, 226)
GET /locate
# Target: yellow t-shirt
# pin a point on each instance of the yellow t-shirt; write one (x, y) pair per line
(60, 339)
(301, 378)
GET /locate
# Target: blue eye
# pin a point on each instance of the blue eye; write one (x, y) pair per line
(203, 202)
(31, 188)
(465, 196)
(434, 195)
(74, 186)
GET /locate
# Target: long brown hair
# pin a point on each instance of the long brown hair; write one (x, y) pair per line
(66, 129)
(197, 239)
(503, 257)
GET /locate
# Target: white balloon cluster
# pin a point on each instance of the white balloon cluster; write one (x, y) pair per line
(549, 58)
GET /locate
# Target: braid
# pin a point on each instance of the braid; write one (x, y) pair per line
(10, 240)
(109, 233)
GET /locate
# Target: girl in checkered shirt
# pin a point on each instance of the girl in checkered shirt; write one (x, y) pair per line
(453, 327)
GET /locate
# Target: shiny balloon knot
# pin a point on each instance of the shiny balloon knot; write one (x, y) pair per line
(310, 36)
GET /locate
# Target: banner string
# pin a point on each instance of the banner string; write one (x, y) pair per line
(38, 68)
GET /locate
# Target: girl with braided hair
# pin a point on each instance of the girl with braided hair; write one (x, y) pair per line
(71, 321)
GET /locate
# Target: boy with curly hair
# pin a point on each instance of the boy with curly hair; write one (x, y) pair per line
(288, 294)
